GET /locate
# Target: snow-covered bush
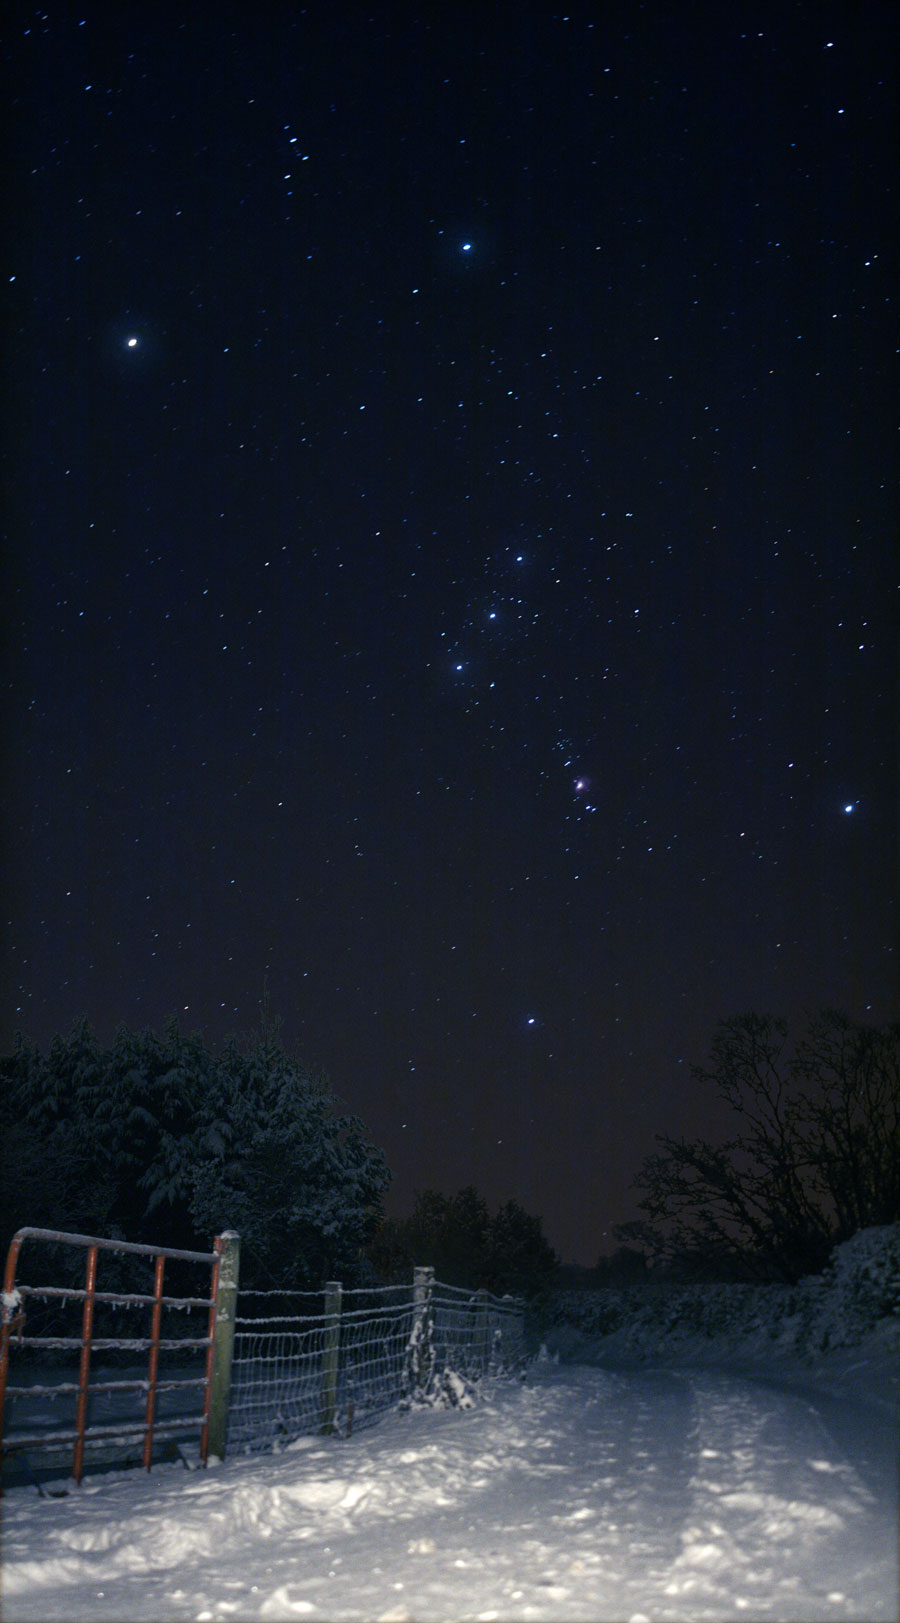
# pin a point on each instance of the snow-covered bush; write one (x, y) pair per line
(455, 1392)
(859, 1292)
(862, 1280)
(448, 1390)
(158, 1138)
(597, 1312)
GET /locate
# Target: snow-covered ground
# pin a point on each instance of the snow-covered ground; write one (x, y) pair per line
(661, 1487)
(839, 1329)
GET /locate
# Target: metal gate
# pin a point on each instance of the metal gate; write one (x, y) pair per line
(15, 1340)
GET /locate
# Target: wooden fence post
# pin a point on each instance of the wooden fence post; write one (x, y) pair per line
(331, 1353)
(483, 1331)
(424, 1326)
(229, 1247)
(513, 1340)
(420, 1352)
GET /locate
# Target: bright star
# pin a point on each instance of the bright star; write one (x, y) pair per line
(132, 343)
(851, 806)
(466, 247)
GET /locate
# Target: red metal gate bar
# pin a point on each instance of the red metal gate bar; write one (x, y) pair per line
(12, 1322)
(84, 1366)
(75, 1293)
(132, 1344)
(154, 1360)
(10, 1319)
(115, 1429)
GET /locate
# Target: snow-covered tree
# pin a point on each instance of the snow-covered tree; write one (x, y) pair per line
(159, 1139)
(814, 1159)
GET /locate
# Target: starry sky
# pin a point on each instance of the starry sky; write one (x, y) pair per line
(449, 533)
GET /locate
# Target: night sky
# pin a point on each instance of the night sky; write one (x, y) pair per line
(450, 553)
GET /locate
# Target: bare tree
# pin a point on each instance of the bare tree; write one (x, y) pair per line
(816, 1154)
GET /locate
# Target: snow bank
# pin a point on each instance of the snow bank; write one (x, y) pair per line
(831, 1327)
(670, 1487)
(577, 1495)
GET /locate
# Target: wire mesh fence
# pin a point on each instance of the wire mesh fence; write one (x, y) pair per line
(266, 1367)
(283, 1381)
(477, 1334)
(336, 1360)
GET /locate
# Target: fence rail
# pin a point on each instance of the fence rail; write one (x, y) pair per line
(275, 1364)
(22, 1307)
(333, 1367)
(354, 1354)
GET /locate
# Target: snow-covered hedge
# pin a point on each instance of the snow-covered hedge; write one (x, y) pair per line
(862, 1281)
(858, 1293)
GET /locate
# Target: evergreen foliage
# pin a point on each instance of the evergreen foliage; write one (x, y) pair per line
(465, 1245)
(158, 1139)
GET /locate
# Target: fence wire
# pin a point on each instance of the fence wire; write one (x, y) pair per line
(279, 1385)
(476, 1334)
(301, 1366)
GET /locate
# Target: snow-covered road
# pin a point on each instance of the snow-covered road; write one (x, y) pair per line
(583, 1493)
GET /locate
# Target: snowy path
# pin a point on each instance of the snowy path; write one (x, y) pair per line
(584, 1494)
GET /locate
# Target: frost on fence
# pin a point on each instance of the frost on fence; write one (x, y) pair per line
(280, 1343)
(274, 1372)
(373, 1352)
(304, 1366)
(475, 1333)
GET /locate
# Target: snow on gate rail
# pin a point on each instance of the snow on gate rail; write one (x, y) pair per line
(73, 1320)
(284, 1363)
(335, 1360)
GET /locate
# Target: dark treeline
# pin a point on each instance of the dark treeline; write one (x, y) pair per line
(466, 1245)
(157, 1138)
(160, 1140)
(814, 1156)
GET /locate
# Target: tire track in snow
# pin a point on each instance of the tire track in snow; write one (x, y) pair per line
(771, 1498)
(585, 1494)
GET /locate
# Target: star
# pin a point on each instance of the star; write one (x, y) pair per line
(131, 343)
